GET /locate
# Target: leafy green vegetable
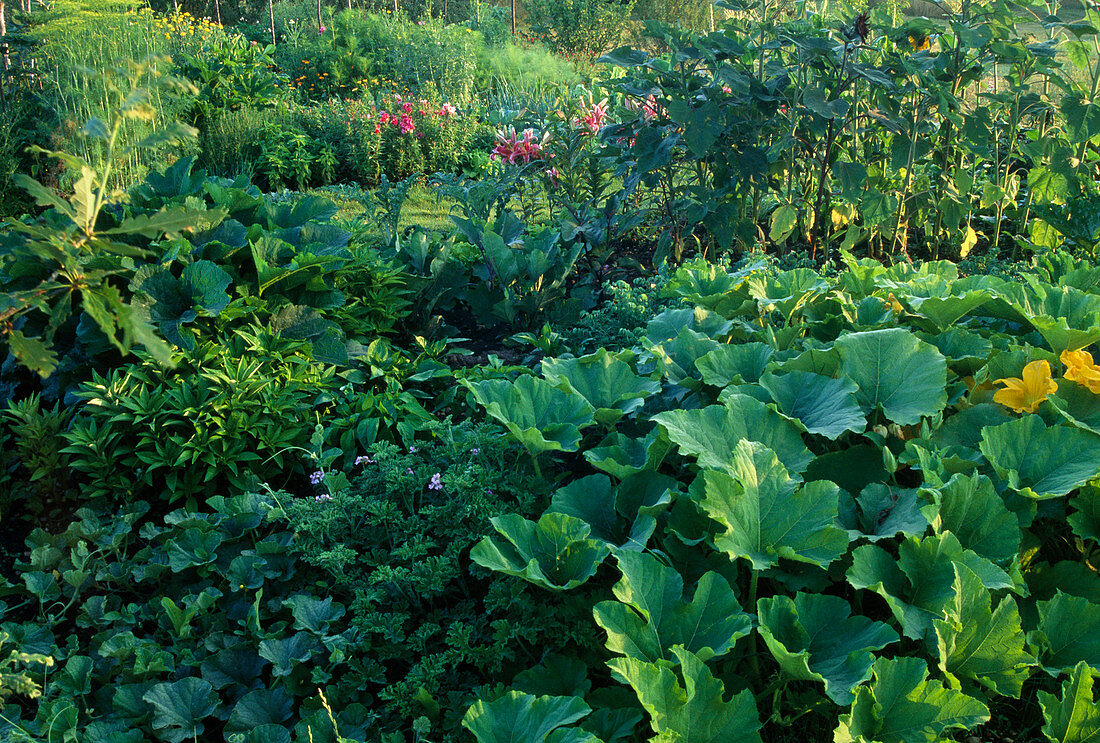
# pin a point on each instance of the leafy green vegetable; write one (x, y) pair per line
(768, 515)
(523, 717)
(539, 415)
(896, 372)
(982, 644)
(652, 615)
(1068, 633)
(824, 406)
(815, 638)
(179, 708)
(1075, 718)
(692, 711)
(902, 706)
(607, 382)
(554, 552)
(1040, 461)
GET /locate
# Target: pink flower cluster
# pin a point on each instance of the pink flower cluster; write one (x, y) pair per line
(648, 106)
(592, 116)
(515, 148)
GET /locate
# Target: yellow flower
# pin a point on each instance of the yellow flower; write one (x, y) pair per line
(1026, 393)
(919, 43)
(1080, 369)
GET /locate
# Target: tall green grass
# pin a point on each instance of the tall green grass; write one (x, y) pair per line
(81, 42)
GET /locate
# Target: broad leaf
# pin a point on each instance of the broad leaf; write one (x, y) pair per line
(902, 706)
(654, 615)
(621, 456)
(522, 718)
(814, 637)
(713, 433)
(1041, 461)
(179, 708)
(554, 552)
(1068, 634)
(970, 508)
(693, 711)
(767, 514)
(881, 511)
(735, 364)
(258, 708)
(824, 406)
(1075, 718)
(1085, 520)
(539, 415)
(920, 582)
(896, 372)
(982, 644)
(607, 382)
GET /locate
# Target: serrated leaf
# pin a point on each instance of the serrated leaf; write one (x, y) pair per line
(1085, 519)
(1040, 461)
(814, 637)
(32, 353)
(1075, 718)
(982, 644)
(554, 552)
(652, 614)
(824, 406)
(767, 514)
(694, 711)
(902, 706)
(711, 434)
(896, 372)
(521, 717)
(1068, 634)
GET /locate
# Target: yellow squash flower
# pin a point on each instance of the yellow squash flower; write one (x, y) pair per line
(1080, 369)
(1024, 394)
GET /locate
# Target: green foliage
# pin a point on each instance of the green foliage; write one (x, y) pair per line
(814, 440)
(396, 549)
(232, 75)
(584, 27)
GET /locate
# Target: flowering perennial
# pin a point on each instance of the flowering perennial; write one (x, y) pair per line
(515, 148)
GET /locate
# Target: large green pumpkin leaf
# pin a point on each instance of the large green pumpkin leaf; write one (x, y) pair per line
(1039, 461)
(1075, 718)
(623, 515)
(814, 637)
(621, 456)
(969, 508)
(982, 644)
(711, 434)
(180, 707)
(1085, 519)
(825, 406)
(882, 511)
(652, 614)
(605, 381)
(522, 718)
(903, 706)
(694, 711)
(539, 415)
(735, 364)
(896, 372)
(258, 708)
(554, 552)
(1068, 634)
(767, 514)
(920, 582)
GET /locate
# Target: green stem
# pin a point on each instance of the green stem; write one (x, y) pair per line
(754, 657)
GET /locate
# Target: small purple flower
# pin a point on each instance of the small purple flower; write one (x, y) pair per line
(322, 498)
(475, 452)
(436, 482)
(412, 449)
(323, 29)
(364, 459)
(316, 477)
(408, 470)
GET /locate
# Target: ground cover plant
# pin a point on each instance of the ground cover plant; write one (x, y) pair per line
(421, 385)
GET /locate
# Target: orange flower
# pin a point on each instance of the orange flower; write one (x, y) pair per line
(1080, 369)
(1024, 394)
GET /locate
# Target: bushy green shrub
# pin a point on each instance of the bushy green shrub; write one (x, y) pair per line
(228, 140)
(584, 27)
(522, 68)
(430, 626)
